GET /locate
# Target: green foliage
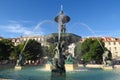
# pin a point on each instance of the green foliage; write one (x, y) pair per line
(78, 52)
(17, 50)
(51, 49)
(85, 47)
(33, 50)
(92, 50)
(6, 47)
(45, 51)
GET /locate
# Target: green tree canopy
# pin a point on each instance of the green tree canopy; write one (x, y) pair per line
(33, 50)
(6, 47)
(45, 51)
(51, 49)
(92, 50)
(17, 50)
(78, 52)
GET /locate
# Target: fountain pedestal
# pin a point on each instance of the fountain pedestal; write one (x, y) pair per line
(19, 64)
(107, 68)
(18, 67)
(71, 67)
(48, 67)
(68, 67)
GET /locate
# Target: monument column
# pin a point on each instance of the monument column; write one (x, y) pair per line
(61, 19)
(58, 64)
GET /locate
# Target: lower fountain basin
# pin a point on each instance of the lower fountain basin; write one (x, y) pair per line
(68, 67)
(39, 73)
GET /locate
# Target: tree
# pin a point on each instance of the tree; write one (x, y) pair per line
(6, 47)
(33, 50)
(51, 49)
(78, 52)
(16, 51)
(45, 51)
(92, 50)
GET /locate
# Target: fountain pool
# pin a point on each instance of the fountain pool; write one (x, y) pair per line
(39, 73)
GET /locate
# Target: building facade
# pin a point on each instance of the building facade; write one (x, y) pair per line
(40, 39)
(112, 44)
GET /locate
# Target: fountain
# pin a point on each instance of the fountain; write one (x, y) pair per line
(59, 65)
(58, 62)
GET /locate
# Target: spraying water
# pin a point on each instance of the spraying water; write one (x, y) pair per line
(91, 30)
(36, 28)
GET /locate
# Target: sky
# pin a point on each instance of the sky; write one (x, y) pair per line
(36, 17)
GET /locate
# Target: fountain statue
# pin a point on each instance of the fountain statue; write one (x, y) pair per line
(58, 61)
(20, 62)
(107, 63)
(106, 60)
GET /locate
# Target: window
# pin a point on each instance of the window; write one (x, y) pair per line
(110, 48)
(116, 54)
(114, 43)
(38, 39)
(115, 48)
(119, 43)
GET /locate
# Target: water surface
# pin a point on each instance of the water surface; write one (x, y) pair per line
(38, 73)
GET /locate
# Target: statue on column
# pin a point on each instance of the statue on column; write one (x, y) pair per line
(63, 29)
(58, 60)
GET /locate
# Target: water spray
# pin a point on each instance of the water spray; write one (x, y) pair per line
(91, 30)
(36, 27)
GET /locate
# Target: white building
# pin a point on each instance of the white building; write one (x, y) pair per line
(41, 39)
(112, 44)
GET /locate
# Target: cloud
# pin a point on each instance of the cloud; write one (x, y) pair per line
(20, 21)
(16, 28)
(13, 21)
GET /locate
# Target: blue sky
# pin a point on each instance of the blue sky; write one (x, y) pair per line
(36, 17)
